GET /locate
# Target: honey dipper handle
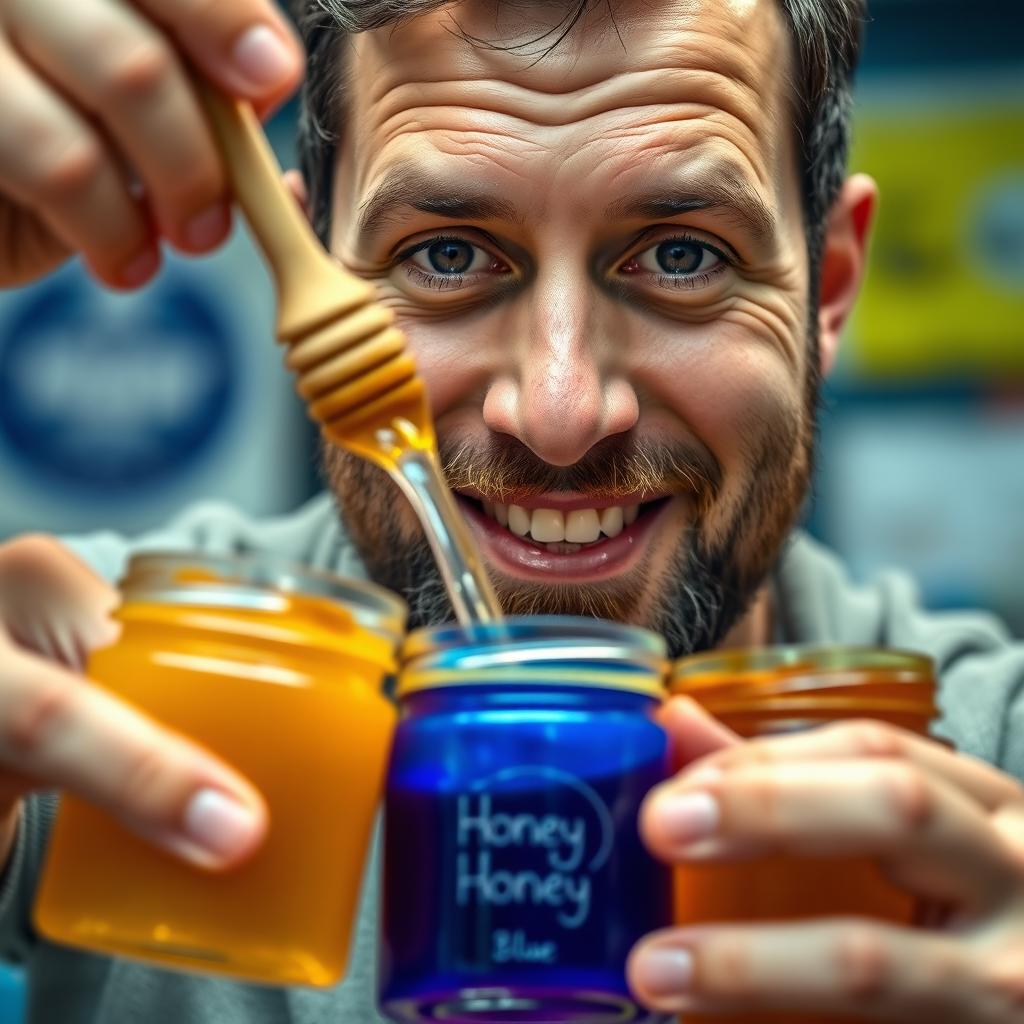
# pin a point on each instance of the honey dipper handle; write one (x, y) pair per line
(465, 577)
(311, 287)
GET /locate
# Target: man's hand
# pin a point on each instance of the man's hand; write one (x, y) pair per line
(103, 147)
(59, 731)
(944, 825)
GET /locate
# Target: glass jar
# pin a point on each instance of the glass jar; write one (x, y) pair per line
(778, 690)
(515, 880)
(278, 670)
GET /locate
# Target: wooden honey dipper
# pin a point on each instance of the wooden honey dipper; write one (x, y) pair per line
(353, 365)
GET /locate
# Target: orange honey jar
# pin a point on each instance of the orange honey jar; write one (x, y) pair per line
(278, 670)
(760, 692)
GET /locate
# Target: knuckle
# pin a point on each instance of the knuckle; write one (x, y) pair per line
(872, 739)
(147, 782)
(764, 796)
(863, 964)
(908, 793)
(27, 551)
(141, 70)
(204, 11)
(727, 969)
(74, 170)
(756, 753)
(221, 20)
(30, 726)
(194, 189)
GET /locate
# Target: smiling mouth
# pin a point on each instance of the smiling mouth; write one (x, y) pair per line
(565, 532)
(572, 544)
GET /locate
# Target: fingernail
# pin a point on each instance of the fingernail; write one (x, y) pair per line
(663, 972)
(263, 58)
(206, 228)
(140, 269)
(219, 824)
(689, 817)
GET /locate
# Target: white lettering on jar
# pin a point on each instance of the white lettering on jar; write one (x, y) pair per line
(516, 858)
(514, 947)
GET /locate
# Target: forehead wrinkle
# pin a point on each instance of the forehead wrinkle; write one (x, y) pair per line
(682, 34)
(499, 137)
(716, 106)
(686, 134)
(668, 86)
(419, 85)
(462, 132)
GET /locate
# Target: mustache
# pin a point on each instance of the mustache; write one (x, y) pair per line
(614, 468)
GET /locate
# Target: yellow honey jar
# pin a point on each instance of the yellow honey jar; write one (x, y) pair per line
(278, 670)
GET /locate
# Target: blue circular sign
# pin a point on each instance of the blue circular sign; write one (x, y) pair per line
(113, 392)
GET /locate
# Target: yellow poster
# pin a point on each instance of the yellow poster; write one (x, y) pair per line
(945, 288)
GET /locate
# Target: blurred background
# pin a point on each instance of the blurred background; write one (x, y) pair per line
(116, 411)
(922, 457)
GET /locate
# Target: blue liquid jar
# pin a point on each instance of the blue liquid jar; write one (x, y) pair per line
(515, 880)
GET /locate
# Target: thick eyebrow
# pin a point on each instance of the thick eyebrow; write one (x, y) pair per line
(707, 189)
(407, 186)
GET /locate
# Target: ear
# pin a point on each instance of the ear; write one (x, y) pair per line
(842, 261)
(296, 184)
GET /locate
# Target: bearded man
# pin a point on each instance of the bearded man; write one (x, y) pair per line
(623, 245)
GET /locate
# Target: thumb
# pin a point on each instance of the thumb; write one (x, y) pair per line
(53, 604)
(693, 733)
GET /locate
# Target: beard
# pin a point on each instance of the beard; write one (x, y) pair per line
(719, 562)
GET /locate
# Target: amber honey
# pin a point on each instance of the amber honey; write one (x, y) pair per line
(777, 690)
(284, 685)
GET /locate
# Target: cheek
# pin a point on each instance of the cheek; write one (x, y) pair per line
(456, 359)
(735, 393)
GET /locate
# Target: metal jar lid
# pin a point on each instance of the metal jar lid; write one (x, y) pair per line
(258, 582)
(757, 677)
(535, 650)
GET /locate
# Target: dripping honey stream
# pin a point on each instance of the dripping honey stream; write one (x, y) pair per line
(352, 363)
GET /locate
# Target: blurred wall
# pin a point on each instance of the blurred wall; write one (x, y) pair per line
(922, 456)
(118, 410)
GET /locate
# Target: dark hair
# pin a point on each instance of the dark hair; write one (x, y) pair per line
(826, 36)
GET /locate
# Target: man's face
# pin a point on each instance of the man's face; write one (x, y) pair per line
(599, 259)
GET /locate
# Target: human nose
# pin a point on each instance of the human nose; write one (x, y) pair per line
(566, 388)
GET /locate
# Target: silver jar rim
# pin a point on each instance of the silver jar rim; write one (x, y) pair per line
(542, 649)
(257, 581)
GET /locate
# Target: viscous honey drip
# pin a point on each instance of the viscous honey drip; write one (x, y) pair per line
(353, 366)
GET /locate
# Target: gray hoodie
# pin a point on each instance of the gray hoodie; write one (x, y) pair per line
(982, 677)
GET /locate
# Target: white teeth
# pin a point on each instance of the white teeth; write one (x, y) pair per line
(551, 526)
(547, 526)
(518, 520)
(611, 521)
(582, 526)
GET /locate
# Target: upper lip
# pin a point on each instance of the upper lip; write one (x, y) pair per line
(563, 501)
